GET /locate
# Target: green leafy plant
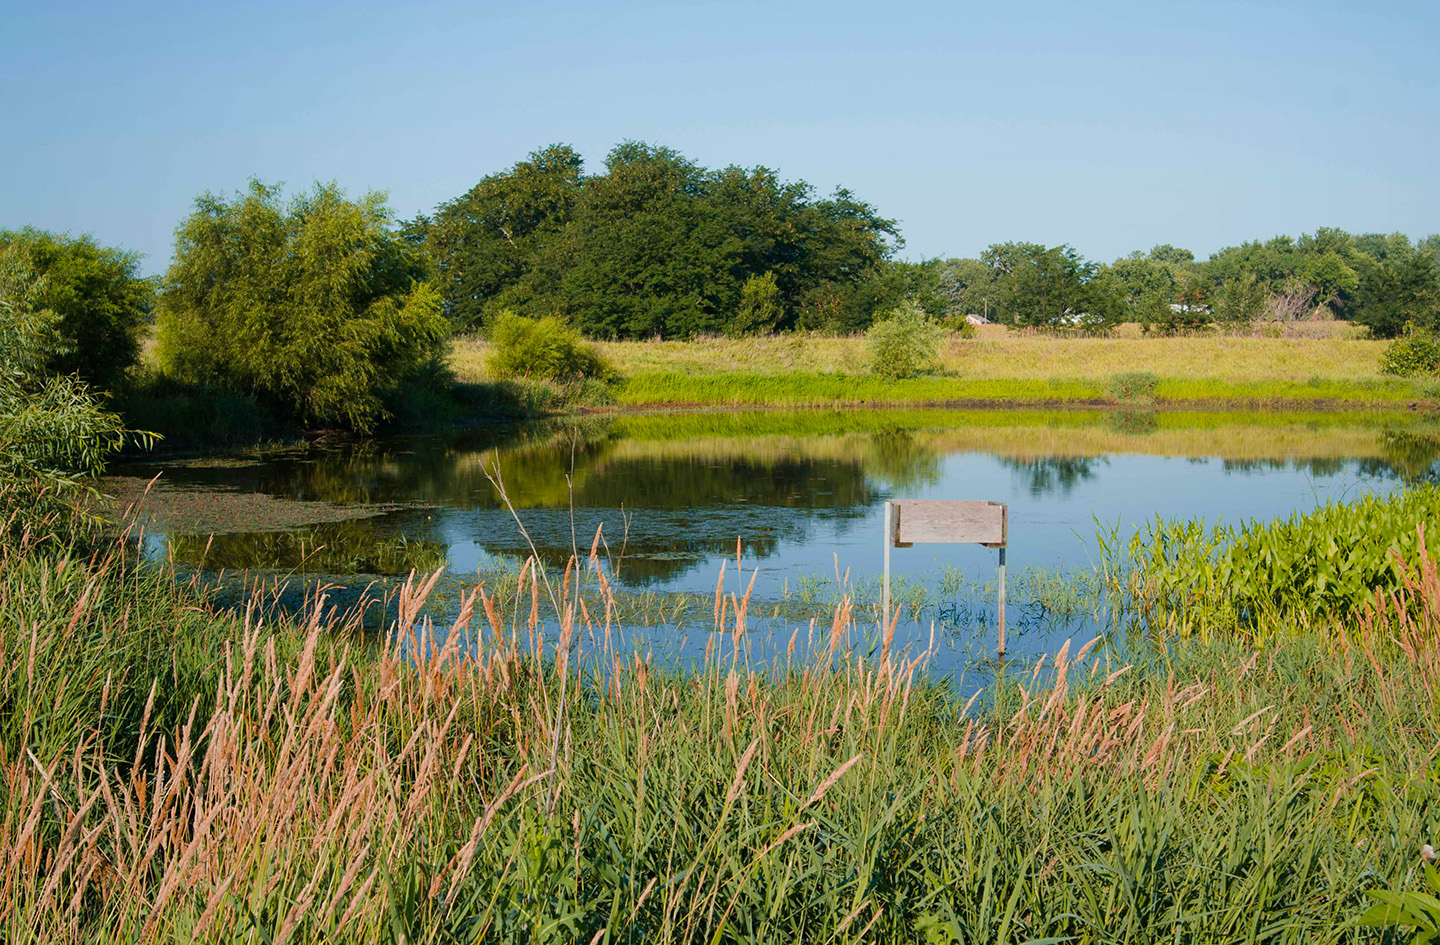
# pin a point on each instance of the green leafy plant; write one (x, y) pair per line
(904, 343)
(960, 325)
(761, 306)
(1420, 911)
(1328, 562)
(544, 348)
(1414, 354)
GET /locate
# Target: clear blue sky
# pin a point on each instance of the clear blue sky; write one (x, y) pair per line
(1110, 126)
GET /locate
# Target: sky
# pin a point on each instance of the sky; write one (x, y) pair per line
(1109, 126)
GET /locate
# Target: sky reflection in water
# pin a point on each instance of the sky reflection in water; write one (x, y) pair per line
(804, 493)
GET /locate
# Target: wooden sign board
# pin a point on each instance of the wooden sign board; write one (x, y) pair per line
(925, 521)
(921, 521)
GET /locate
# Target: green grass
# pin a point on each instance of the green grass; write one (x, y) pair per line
(690, 425)
(173, 773)
(1327, 351)
(813, 390)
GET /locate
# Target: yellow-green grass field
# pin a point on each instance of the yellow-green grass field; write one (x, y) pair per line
(999, 367)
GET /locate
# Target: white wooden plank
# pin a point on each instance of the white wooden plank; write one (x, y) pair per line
(923, 521)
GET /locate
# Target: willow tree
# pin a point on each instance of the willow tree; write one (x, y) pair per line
(53, 433)
(315, 305)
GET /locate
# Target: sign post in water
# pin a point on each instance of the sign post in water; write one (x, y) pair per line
(926, 521)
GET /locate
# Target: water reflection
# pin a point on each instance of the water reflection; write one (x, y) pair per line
(673, 493)
(354, 547)
(1054, 474)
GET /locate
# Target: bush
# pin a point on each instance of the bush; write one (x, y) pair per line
(544, 348)
(904, 343)
(960, 325)
(1414, 354)
(761, 306)
(315, 307)
(99, 301)
(1240, 302)
(189, 415)
(1134, 386)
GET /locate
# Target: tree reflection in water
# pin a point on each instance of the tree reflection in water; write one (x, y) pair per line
(1054, 474)
(689, 485)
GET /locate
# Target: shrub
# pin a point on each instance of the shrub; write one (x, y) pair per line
(1414, 354)
(99, 301)
(542, 348)
(904, 343)
(314, 307)
(960, 325)
(761, 306)
(1134, 386)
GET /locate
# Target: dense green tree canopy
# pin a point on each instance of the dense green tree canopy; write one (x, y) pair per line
(1382, 281)
(1050, 287)
(99, 300)
(657, 245)
(315, 305)
(52, 430)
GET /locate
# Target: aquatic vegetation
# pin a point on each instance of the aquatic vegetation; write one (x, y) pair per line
(1308, 570)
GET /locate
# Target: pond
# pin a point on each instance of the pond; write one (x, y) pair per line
(801, 492)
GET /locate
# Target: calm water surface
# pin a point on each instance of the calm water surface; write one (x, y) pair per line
(803, 493)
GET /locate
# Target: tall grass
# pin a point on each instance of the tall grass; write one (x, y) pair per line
(996, 354)
(172, 774)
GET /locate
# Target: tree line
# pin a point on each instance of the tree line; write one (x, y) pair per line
(329, 311)
(1384, 282)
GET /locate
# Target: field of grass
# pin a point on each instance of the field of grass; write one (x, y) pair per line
(998, 368)
(819, 390)
(171, 773)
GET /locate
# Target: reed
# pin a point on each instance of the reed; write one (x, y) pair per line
(169, 773)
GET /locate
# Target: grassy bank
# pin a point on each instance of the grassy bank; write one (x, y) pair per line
(172, 774)
(816, 390)
(1000, 369)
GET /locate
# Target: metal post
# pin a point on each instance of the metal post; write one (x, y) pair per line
(885, 594)
(1001, 621)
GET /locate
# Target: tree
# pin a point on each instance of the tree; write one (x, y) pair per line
(315, 306)
(99, 299)
(1050, 288)
(1333, 278)
(1172, 256)
(659, 245)
(1402, 289)
(1148, 288)
(53, 433)
(493, 236)
(760, 306)
(1240, 300)
(649, 251)
(969, 287)
(1430, 246)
